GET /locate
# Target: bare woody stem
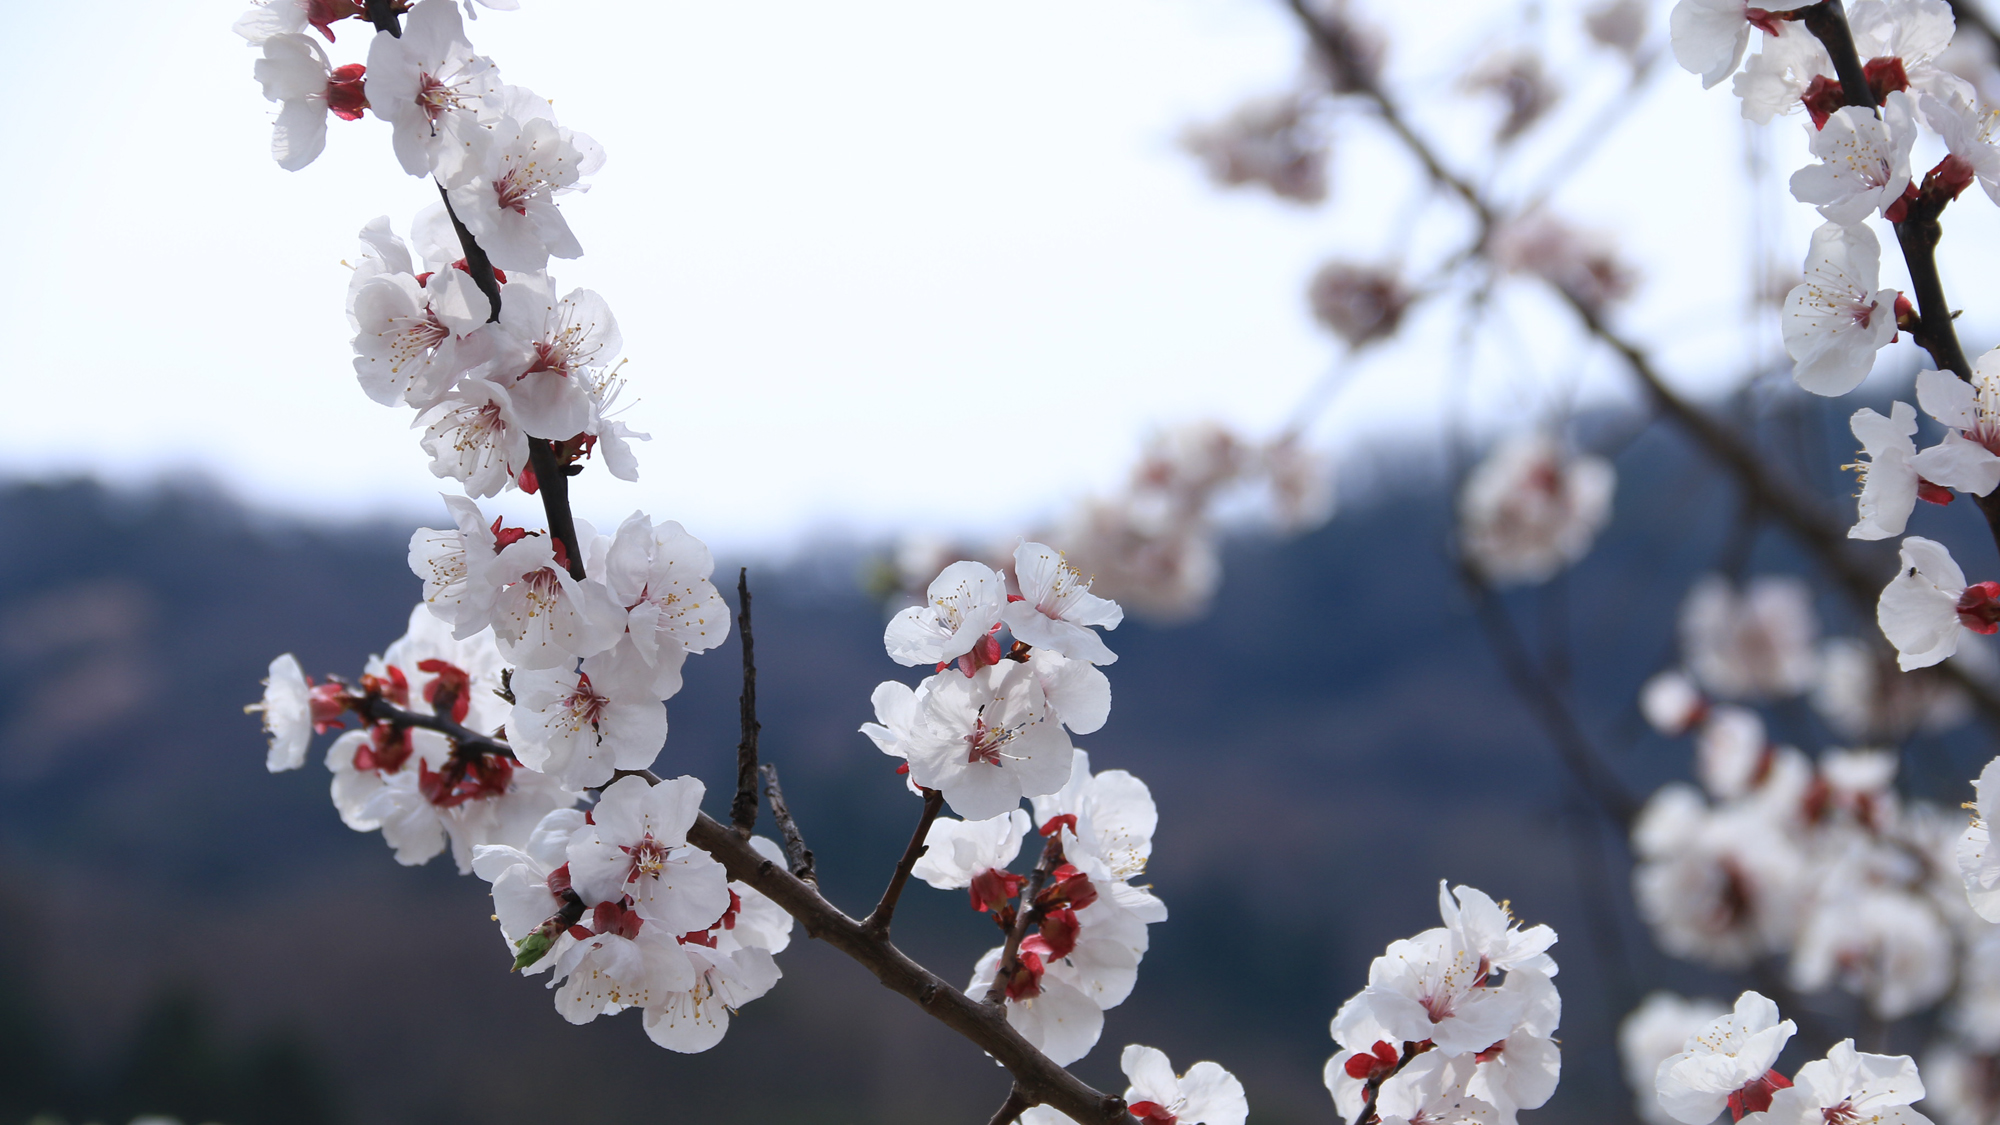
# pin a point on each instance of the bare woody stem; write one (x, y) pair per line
(376, 709)
(743, 811)
(878, 920)
(1025, 915)
(383, 13)
(801, 857)
(1373, 1090)
(1010, 1110)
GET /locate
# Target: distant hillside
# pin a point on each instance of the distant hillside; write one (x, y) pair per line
(191, 935)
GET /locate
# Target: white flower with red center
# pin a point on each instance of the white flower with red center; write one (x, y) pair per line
(660, 575)
(1923, 608)
(295, 73)
(1206, 1095)
(551, 350)
(294, 710)
(1488, 931)
(1864, 160)
(505, 189)
(414, 339)
(1106, 822)
(474, 438)
(1722, 885)
(975, 854)
(1889, 483)
(1079, 692)
(545, 617)
(581, 724)
(1653, 1032)
(1709, 35)
(1965, 459)
(1056, 609)
(1433, 1089)
(1899, 42)
(1726, 1065)
(1759, 643)
(1431, 987)
(528, 884)
(410, 786)
(1883, 943)
(961, 610)
(1059, 1019)
(1967, 130)
(465, 569)
(432, 89)
(457, 678)
(1522, 1070)
(1529, 509)
(289, 17)
(635, 851)
(1850, 1087)
(1978, 860)
(988, 740)
(620, 963)
(1776, 79)
(1836, 319)
(727, 976)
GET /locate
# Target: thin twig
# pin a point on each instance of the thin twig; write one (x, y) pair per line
(1010, 1110)
(552, 481)
(743, 811)
(1373, 1089)
(376, 709)
(795, 844)
(1025, 915)
(877, 922)
(477, 263)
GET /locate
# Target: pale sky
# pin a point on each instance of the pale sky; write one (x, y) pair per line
(899, 264)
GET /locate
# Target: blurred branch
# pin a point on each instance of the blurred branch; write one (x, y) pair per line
(1968, 13)
(743, 811)
(878, 919)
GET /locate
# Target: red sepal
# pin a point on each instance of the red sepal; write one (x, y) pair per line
(1933, 493)
(1755, 1096)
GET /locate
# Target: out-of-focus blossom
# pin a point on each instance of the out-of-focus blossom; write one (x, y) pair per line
(1270, 141)
(1583, 264)
(1358, 303)
(1523, 86)
(1529, 510)
(1760, 643)
(1618, 24)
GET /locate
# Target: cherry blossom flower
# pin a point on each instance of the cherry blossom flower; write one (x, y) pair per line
(474, 438)
(1864, 160)
(1757, 644)
(545, 617)
(1652, 1033)
(898, 711)
(1726, 1064)
(1922, 609)
(1719, 886)
(558, 342)
(1206, 1095)
(505, 190)
(1528, 511)
(1967, 130)
(527, 884)
(465, 569)
(289, 17)
(625, 964)
(960, 611)
(288, 708)
(1433, 1089)
(958, 852)
(1671, 703)
(1776, 79)
(1432, 987)
(1270, 141)
(1889, 482)
(636, 848)
(1883, 943)
(1080, 694)
(458, 678)
(660, 575)
(1836, 319)
(1899, 41)
(411, 340)
(429, 798)
(296, 73)
(1709, 35)
(988, 740)
(1850, 1085)
(433, 90)
(1581, 263)
(1978, 860)
(693, 1019)
(614, 437)
(1058, 1019)
(1358, 303)
(1971, 412)
(1057, 609)
(580, 724)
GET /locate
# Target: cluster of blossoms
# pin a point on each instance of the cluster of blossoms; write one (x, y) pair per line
(1696, 1060)
(564, 641)
(1156, 545)
(1457, 1024)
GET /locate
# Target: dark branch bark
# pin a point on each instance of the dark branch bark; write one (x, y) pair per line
(795, 844)
(1010, 1110)
(383, 13)
(1025, 914)
(877, 922)
(1042, 1081)
(1828, 23)
(552, 482)
(1967, 13)
(743, 811)
(476, 262)
(376, 709)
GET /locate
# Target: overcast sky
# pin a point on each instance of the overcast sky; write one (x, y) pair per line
(896, 264)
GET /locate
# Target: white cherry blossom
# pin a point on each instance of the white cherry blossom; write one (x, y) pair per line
(1966, 127)
(289, 17)
(1978, 860)
(612, 970)
(1913, 33)
(426, 800)
(660, 575)
(1206, 1095)
(474, 438)
(1850, 1085)
(1888, 480)
(505, 189)
(1432, 987)
(556, 344)
(1528, 510)
(958, 851)
(1883, 943)
(1709, 36)
(1057, 609)
(1719, 886)
(988, 740)
(1079, 692)
(1652, 1033)
(961, 608)
(637, 846)
(1761, 643)
(1059, 1020)
(1836, 319)
(1864, 160)
(693, 1019)
(288, 718)
(1728, 1058)
(1434, 1089)
(527, 882)
(1971, 412)
(544, 617)
(1775, 80)
(1924, 608)
(465, 569)
(295, 73)
(432, 89)
(580, 724)
(414, 339)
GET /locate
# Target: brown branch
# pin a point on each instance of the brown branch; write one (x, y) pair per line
(877, 922)
(795, 844)
(383, 13)
(1040, 1080)
(743, 811)
(476, 262)
(378, 710)
(1010, 1110)
(1025, 915)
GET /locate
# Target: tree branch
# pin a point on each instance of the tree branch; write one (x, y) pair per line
(877, 922)
(1967, 13)
(795, 844)
(1041, 1081)
(376, 709)
(1011, 1109)
(383, 13)
(1025, 915)
(743, 811)
(476, 262)
(552, 482)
